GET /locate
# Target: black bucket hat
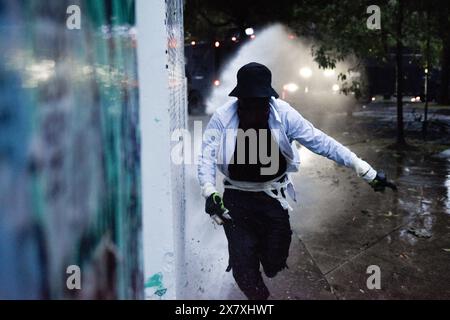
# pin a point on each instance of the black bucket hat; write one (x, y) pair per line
(254, 81)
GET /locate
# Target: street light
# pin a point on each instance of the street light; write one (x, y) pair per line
(217, 44)
(249, 31)
(305, 72)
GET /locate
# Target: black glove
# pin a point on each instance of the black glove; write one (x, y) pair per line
(215, 208)
(380, 182)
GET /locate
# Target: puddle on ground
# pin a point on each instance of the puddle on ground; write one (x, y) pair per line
(447, 185)
(424, 194)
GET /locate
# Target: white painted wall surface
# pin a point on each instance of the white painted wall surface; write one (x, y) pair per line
(163, 218)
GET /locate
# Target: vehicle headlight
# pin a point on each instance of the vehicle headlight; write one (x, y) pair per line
(291, 87)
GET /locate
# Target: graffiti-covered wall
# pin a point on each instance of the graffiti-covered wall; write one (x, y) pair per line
(69, 150)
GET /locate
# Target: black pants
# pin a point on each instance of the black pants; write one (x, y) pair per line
(260, 233)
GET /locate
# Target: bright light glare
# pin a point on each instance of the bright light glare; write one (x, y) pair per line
(305, 72)
(233, 38)
(417, 98)
(217, 44)
(87, 69)
(216, 82)
(373, 99)
(413, 99)
(193, 43)
(249, 31)
(328, 73)
(41, 71)
(335, 87)
(291, 87)
(252, 36)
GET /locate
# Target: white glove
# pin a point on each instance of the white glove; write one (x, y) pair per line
(208, 189)
(364, 170)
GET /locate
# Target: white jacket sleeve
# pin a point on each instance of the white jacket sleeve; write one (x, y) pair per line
(206, 169)
(305, 133)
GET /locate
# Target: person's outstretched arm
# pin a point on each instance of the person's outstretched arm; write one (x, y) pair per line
(303, 131)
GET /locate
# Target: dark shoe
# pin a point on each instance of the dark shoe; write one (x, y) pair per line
(273, 272)
(270, 274)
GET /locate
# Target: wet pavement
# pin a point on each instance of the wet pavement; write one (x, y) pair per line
(346, 227)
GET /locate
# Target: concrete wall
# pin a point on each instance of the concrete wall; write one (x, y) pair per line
(163, 110)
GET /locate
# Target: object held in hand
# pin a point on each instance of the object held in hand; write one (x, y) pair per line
(215, 208)
(219, 219)
(380, 182)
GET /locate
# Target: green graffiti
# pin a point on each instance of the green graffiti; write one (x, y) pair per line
(156, 281)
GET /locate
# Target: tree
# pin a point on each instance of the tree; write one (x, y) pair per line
(441, 12)
(339, 27)
(208, 19)
(434, 44)
(399, 66)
